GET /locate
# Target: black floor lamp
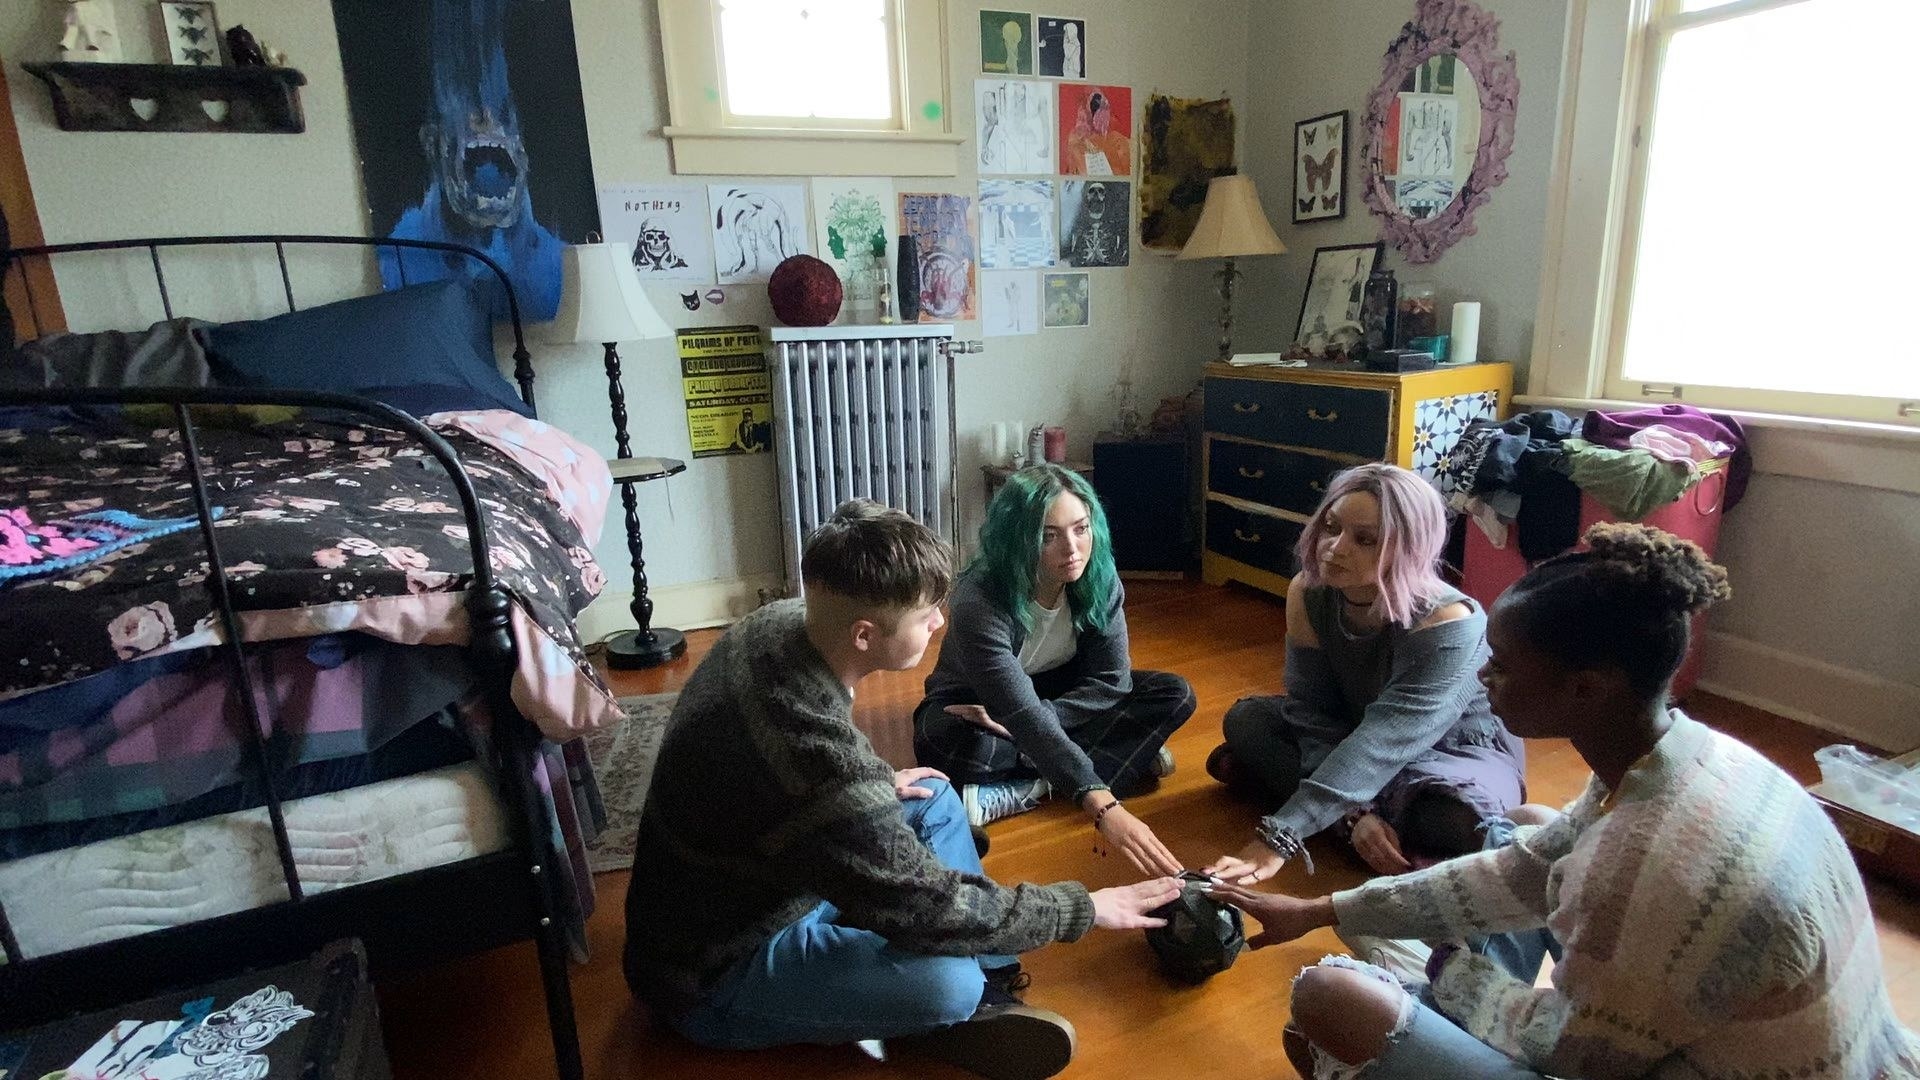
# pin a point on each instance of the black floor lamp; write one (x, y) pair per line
(601, 300)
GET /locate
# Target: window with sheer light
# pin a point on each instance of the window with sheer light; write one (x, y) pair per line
(808, 87)
(1766, 258)
(820, 61)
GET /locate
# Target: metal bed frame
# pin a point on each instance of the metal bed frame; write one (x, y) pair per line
(402, 920)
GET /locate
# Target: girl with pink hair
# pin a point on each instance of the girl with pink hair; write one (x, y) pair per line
(1384, 729)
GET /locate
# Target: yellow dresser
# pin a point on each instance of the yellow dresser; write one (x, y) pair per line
(1274, 436)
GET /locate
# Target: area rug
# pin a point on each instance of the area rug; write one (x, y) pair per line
(623, 758)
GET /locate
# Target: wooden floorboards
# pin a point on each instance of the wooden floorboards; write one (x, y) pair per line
(484, 1016)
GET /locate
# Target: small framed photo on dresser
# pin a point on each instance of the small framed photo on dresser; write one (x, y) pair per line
(193, 34)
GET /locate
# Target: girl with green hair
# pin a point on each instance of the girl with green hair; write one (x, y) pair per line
(1034, 692)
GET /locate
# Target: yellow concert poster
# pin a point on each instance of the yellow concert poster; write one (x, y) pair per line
(723, 375)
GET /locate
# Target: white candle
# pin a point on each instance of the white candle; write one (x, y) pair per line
(999, 444)
(1465, 346)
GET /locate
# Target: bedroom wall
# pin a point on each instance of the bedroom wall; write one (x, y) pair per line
(1813, 631)
(1309, 58)
(711, 534)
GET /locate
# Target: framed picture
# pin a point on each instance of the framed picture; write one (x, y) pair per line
(193, 34)
(1320, 168)
(1335, 287)
(1062, 47)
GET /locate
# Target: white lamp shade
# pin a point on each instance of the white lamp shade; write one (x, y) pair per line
(1232, 223)
(601, 298)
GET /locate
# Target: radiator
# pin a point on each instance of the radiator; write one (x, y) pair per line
(863, 412)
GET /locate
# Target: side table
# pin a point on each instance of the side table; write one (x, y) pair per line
(648, 646)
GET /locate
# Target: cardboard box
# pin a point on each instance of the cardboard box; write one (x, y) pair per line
(1880, 847)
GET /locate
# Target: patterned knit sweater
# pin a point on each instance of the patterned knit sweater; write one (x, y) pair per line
(1714, 926)
(767, 800)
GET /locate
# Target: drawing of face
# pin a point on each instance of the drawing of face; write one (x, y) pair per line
(473, 138)
(1073, 34)
(1011, 34)
(654, 248)
(1093, 203)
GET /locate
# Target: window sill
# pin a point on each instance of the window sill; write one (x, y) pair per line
(1853, 452)
(813, 152)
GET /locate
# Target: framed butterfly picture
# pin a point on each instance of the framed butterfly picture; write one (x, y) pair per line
(193, 36)
(1320, 168)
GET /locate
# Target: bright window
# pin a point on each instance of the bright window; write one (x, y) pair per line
(808, 87)
(812, 59)
(1767, 258)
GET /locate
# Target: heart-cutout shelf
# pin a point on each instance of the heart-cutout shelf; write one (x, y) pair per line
(174, 97)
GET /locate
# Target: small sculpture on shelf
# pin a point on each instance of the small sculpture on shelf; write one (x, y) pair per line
(91, 34)
(244, 49)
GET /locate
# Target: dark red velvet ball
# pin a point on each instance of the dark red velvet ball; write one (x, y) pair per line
(805, 292)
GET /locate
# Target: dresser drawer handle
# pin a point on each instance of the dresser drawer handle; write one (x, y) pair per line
(1244, 538)
(1324, 417)
(1246, 407)
(1252, 474)
(1317, 486)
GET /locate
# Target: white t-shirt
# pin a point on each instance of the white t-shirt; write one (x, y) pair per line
(1053, 640)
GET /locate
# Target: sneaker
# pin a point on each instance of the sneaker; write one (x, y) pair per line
(987, 803)
(1005, 985)
(999, 1042)
(1163, 763)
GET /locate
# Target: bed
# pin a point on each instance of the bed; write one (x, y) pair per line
(289, 650)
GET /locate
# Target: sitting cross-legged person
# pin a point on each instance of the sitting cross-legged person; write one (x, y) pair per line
(1711, 921)
(790, 887)
(1034, 693)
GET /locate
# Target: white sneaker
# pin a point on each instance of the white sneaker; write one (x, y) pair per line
(1163, 763)
(990, 802)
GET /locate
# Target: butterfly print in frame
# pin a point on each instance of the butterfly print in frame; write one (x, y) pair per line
(1320, 168)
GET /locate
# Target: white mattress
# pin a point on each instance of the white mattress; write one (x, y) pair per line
(216, 866)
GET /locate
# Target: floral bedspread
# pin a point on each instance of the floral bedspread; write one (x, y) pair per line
(325, 526)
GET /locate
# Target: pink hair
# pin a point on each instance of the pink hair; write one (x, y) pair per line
(1413, 531)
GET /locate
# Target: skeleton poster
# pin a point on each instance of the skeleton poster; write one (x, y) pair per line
(468, 120)
(1094, 222)
(854, 230)
(665, 225)
(755, 228)
(942, 229)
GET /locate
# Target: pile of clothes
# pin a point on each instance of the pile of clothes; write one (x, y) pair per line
(1529, 472)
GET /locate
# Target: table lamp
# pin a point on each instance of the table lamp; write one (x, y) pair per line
(601, 300)
(1232, 224)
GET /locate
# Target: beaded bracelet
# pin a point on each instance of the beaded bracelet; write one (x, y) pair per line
(1284, 843)
(1100, 814)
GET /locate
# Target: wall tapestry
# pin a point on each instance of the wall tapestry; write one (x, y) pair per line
(1187, 142)
(470, 128)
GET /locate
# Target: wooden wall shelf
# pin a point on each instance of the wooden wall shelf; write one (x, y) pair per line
(174, 97)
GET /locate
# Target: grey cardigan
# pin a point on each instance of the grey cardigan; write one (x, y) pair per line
(980, 665)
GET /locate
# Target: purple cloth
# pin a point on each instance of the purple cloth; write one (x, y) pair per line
(1616, 430)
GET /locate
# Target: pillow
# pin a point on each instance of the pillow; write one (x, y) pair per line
(169, 353)
(436, 334)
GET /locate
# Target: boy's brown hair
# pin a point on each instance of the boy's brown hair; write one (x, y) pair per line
(877, 555)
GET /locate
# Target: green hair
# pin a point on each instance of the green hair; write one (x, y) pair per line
(1009, 557)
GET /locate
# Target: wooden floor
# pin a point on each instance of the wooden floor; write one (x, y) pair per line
(484, 1016)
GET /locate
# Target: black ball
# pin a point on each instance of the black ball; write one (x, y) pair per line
(1202, 938)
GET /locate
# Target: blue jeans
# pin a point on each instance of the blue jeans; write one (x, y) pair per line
(1427, 1044)
(816, 981)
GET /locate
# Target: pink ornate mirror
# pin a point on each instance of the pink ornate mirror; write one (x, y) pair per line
(1439, 127)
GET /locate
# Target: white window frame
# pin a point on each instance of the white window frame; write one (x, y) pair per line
(706, 139)
(1610, 70)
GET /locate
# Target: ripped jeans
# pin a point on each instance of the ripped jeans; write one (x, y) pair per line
(1425, 1044)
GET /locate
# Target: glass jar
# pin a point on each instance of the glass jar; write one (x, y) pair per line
(1418, 317)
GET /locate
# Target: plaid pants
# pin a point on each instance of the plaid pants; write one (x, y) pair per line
(1121, 742)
